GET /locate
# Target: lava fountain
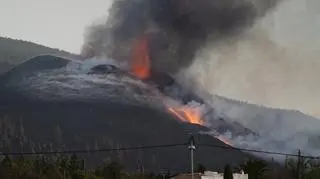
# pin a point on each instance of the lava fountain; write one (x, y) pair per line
(140, 61)
(141, 68)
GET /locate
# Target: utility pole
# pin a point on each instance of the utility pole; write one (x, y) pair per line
(286, 162)
(298, 165)
(192, 147)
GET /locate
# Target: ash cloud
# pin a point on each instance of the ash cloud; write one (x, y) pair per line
(176, 29)
(275, 64)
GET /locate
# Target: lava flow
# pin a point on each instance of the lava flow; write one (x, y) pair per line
(140, 67)
(140, 61)
(186, 114)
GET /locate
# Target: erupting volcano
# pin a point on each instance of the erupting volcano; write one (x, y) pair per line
(141, 68)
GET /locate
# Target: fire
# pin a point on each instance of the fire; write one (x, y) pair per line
(140, 67)
(140, 60)
(193, 116)
(186, 114)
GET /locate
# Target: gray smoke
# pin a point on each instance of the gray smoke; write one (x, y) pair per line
(176, 29)
(276, 64)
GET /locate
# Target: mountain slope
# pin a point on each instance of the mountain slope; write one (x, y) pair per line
(13, 52)
(280, 130)
(68, 122)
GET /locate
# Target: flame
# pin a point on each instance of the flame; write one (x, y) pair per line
(192, 115)
(187, 114)
(140, 67)
(140, 60)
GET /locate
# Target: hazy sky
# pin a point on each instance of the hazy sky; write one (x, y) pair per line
(54, 23)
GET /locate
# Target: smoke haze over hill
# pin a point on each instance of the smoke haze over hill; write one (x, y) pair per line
(275, 64)
(263, 53)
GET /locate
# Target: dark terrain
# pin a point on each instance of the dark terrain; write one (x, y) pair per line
(13, 52)
(31, 124)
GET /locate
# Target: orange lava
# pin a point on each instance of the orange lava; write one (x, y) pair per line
(140, 60)
(191, 115)
(186, 114)
(140, 67)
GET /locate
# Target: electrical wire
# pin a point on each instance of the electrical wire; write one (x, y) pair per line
(93, 150)
(224, 147)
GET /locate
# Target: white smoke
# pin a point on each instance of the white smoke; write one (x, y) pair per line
(275, 64)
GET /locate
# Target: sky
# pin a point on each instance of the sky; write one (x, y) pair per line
(277, 64)
(54, 23)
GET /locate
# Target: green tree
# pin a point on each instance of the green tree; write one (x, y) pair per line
(227, 174)
(256, 169)
(304, 166)
(201, 168)
(6, 167)
(314, 173)
(74, 167)
(112, 170)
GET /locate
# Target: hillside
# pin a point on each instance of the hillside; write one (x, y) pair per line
(279, 130)
(40, 119)
(13, 52)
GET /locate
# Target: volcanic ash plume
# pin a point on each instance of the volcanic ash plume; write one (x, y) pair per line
(175, 29)
(276, 64)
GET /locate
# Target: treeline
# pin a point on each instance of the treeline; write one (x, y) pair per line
(65, 167)
(293, 168)
(72, 167)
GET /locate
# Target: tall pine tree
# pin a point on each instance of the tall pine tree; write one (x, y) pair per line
(227, 172)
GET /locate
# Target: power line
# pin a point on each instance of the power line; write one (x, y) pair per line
(94, 150)
(257, 151)
(225, 147)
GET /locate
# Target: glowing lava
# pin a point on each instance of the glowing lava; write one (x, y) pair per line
(140, 60)
(186, 114)
(140, 67)
(192, 115)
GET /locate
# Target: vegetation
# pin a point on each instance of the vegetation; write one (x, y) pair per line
(72, 167)
(63, 167)
(308, 168)
(227, 174)
(201, 168)
(256, 169)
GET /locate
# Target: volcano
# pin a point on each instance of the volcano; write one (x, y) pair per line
(52, 103)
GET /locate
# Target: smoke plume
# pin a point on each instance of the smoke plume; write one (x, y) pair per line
(275, 63)
(176, 29)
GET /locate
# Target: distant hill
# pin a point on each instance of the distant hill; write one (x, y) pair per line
(13, 52)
